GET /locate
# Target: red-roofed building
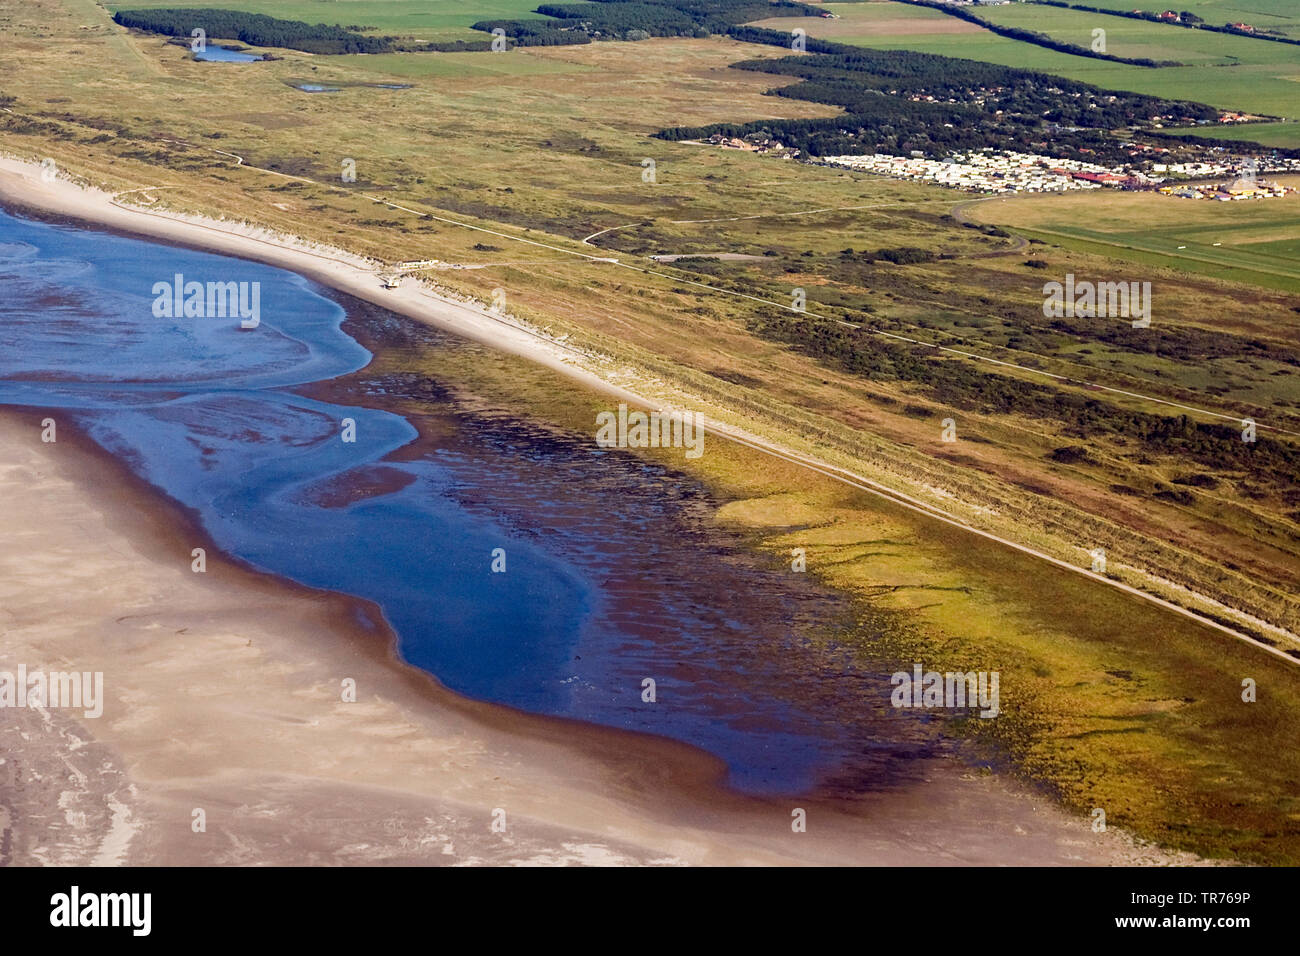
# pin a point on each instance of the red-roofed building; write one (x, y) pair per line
(1099, 177)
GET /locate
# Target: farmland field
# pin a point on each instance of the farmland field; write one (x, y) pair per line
(1283, 135)
(1142, 39)
(1250, 242)
(1279, 15)
(1264, 77)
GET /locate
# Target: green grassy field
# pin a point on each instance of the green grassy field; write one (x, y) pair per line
(1284, 135)
(1265, 79)
(1250, 242)
(1280, 15)
(1249, 75)
(427, 19)
(1140, 38)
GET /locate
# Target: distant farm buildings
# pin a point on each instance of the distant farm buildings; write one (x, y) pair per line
(754, 143)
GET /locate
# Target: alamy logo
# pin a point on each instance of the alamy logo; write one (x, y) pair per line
(56, 689)
(133, 910)
(215, 300)
(669, 429)
(1090, 300)
(953, 690)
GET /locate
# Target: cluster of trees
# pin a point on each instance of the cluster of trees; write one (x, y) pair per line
(618, 19)
(255, 29)
(638, 19)
(747, 34)
(1185, 19)
(963, 385)
(1036, 38)
(898, 255)
(445, 46)
(884, 94)
(1187, 346)
(533, 32)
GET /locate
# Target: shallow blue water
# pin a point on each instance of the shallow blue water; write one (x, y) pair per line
(213, 53)
(612, 573)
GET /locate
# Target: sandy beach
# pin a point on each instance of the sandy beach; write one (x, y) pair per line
(224, 695)
(22, 186)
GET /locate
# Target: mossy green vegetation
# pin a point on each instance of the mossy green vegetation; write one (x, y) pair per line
(1107, 700)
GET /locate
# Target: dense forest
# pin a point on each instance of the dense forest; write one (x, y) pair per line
(254, 29)
(898, 102)
(639, 19)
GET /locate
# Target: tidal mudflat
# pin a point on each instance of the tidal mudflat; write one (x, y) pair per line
(230, 436)
(518, 563)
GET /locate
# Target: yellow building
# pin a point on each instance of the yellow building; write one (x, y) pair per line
(1245, 187)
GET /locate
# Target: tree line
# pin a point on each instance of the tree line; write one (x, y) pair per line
(638, 19)
(899, 102)
(1185, 19)
(255, 29)
(1036, 38)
